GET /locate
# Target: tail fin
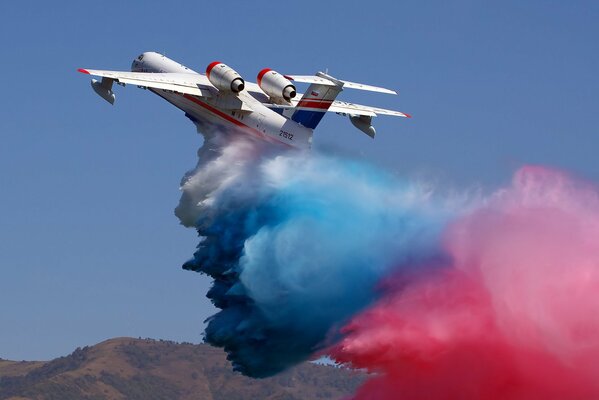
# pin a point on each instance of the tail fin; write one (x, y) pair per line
(319, 96)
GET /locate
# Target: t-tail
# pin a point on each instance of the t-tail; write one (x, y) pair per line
(320, 98)
(316, 101)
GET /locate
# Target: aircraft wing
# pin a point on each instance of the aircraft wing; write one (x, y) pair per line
(256, 92)
(342, 107)
(194, 84)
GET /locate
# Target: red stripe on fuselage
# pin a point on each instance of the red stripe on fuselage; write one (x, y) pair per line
(217, 112)
(232, 120)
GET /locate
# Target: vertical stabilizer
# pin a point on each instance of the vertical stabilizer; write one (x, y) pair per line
(316, 101)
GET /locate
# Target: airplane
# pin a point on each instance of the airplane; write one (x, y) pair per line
(270, 109)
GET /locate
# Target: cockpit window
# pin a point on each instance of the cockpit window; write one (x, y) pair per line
(141, 57)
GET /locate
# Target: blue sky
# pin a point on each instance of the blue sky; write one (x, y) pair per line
(89, 245)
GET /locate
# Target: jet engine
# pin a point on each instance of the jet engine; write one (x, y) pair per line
(275, 84)
(224, 77)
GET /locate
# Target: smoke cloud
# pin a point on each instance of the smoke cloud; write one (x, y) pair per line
(513, 315)
(439, 298)
(296, 245)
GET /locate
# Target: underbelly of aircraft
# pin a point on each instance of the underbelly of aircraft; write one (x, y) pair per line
(210, 119)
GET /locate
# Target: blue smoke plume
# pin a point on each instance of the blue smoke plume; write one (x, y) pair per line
(296, 244)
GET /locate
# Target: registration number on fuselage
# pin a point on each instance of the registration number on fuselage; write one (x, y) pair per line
(286, 134)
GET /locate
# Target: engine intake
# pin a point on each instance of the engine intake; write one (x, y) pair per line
(224, 77)
(275, 84)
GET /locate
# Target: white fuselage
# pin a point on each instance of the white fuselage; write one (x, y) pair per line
(215, 113)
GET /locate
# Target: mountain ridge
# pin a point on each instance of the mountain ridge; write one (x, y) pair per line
(128, 368)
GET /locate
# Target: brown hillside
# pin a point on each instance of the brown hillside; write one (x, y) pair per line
(126, 368)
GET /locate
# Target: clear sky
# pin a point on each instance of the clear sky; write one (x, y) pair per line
(89, 245)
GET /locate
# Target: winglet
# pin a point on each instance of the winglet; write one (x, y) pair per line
(83, 71)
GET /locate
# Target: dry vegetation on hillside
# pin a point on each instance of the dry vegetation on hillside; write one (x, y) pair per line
(126, 368)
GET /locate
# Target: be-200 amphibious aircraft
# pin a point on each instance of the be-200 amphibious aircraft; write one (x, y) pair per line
(222, 99)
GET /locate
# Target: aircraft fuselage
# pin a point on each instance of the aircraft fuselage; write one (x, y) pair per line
(216, 114)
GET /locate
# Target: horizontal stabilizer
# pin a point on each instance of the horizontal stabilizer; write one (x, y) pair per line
(360, 86)
(310, 79)
(324, 79)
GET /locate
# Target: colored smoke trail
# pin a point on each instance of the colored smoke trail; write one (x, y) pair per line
(514, 315)
(296, 245)
(492, 300)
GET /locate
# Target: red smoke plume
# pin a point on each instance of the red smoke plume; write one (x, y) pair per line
(514, 316)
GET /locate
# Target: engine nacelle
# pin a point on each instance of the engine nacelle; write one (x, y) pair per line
(275, 84)
(224, 77)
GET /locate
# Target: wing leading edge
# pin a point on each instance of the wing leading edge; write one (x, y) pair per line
(194, 84)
